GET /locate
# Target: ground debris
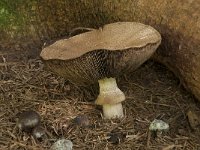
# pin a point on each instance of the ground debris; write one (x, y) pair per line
(152, 92)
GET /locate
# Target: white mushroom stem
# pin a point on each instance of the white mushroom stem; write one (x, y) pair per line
(113, 111)
(110, 97)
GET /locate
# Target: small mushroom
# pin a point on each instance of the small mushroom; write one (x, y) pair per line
(82, 120)
(38, 132)
(62, 144)
(101, 55)
(116, 138)
(158, 125)
(28, 120)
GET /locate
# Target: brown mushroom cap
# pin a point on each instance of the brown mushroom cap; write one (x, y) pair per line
(106, 52)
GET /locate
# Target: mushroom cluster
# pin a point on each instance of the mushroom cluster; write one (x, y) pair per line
(29, 121)
(100, 56)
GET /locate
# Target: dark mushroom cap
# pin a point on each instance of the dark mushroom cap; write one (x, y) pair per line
(38, 132)
(82, 120)
(107, 52)
(28, 120)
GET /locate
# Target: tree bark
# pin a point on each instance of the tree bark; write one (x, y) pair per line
(27, 24)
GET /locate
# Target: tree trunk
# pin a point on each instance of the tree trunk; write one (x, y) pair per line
(27, 24)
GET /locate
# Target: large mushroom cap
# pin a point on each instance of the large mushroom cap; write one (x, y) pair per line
(105, 52)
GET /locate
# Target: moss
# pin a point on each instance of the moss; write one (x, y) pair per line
(14, 15)
(9, 17)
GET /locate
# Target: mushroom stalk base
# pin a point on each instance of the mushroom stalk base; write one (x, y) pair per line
(113, 111)
(110, 97)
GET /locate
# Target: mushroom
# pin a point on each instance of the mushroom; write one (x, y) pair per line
(28, 120)
(62, 144)
(102, 55)
(38, 132)
(82, 121)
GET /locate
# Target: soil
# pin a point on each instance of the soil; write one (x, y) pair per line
(152, 92)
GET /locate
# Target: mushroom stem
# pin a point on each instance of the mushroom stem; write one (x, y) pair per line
(113, 111)
(110, 97)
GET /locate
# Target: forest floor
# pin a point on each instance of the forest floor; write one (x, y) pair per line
(152, 92)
